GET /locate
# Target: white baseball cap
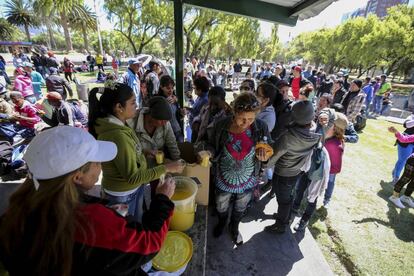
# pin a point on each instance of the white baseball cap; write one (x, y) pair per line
(64, 149)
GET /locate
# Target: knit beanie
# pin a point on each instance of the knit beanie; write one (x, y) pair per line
(341, 121)
(303, 113)
(358, 82)
(159, 108)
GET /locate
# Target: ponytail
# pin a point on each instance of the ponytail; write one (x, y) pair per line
(101, 106)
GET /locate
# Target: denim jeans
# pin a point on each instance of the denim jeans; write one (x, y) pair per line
(367, 103)
(403, 154)
(301, 187)
(329, 189)
(223, 200)
(135, 202)
(283, 187)
(377, 104)
(407, 178)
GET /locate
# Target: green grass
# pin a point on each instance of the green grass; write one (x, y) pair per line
(362, 233)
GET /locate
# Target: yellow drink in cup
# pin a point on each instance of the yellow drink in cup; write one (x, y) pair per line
(205, 158)
(159, 157)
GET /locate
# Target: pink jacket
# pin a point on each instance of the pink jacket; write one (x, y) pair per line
(23, 84)
(406, 139)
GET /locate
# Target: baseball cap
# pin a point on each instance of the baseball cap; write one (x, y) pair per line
(341, 121)
(297, 68)
(27, 64)
(134, 61)
(64, 149)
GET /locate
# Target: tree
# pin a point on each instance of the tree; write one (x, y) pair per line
(62, 8)
(19, 13)
(84, 19)
(139, 21)
(8, 31)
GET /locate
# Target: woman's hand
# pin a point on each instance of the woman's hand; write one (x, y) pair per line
(261, 155)
(172, 99)
(166, 187)
(175, 166)
(392, 130)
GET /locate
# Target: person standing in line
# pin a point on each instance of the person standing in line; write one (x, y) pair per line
(291, 151)
(131, 79)
(297, 82)
(115, 65)
(404, 149)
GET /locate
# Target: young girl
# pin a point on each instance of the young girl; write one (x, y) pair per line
(52, 228)
(407, 176)
(124, 177)
(334, 147)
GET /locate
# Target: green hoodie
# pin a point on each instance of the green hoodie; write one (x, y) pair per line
(129, 168)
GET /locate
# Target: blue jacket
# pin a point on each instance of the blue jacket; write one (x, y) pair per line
(132, 80)
(37, 82)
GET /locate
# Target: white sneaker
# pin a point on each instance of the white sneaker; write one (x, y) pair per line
(397, 202)
(407, 200)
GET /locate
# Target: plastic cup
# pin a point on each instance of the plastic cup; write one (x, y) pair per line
(205, 158)
(159, 157)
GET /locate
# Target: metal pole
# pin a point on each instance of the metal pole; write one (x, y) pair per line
(99, 28)
(179, 50)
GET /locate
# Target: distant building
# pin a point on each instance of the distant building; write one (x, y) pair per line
(377, 7)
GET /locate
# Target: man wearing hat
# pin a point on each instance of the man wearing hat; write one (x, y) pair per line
(55, 83)
(131, 78)
(291, 152)
(354, 100)
(37, 79)
(154, 130)
(64, 113)
(297, 81)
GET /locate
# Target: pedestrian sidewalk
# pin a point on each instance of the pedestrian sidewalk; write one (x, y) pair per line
(264, 253)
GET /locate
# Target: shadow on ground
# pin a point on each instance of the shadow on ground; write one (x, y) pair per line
(400, 220)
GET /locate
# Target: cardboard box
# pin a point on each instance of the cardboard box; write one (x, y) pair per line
(201, 175)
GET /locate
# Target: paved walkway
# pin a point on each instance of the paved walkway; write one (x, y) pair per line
(264, 253)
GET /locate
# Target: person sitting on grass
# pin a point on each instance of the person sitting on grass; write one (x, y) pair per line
(52, 227)
(26, 115)
(407, 178)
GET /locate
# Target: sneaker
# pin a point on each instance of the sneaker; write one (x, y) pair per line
(275, 228)
(397, 202)
(301, 226)
(326, 204)
(407, 200)
(237, 238)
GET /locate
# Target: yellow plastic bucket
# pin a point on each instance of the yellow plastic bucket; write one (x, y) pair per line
(185, 206)
(175, 252)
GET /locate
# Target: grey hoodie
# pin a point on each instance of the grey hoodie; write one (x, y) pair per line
(292, 149)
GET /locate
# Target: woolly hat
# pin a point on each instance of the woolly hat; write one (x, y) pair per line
(303, 113)
(341, 121)
(160, 108)
(358, 82)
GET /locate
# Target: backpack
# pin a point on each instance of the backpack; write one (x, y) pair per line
(6, 151)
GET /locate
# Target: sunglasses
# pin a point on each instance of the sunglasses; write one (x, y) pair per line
(246, 107)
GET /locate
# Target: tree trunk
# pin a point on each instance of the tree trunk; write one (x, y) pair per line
(50, 33)
(26, 29)
(85, 37)
(209, 47)
(65, 26)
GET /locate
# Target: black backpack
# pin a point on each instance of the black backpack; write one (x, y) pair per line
(6, 152)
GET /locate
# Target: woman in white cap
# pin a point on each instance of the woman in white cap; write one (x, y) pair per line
(52, 228)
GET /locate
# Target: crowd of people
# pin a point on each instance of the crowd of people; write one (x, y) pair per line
(285, 133)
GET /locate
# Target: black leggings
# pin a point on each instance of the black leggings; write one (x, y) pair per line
(406, 178)
(68, 76)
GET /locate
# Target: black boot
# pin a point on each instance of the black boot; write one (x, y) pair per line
(218, 230)
(234, 228)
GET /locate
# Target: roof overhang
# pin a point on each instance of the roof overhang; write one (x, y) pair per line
(285, 12)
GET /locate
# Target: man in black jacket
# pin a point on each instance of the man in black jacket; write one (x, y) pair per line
(58, 84)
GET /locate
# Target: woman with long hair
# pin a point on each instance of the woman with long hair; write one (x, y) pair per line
(52, 227)
(124, 177)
